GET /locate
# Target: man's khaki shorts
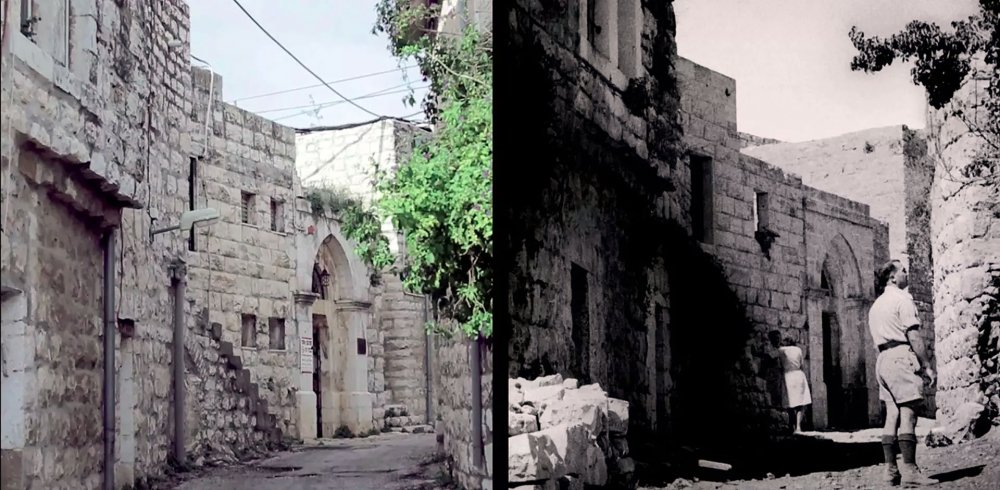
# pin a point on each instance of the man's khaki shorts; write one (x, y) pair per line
(898, 373)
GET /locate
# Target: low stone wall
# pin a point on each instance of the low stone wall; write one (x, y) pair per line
(564, 436)
(452, 373)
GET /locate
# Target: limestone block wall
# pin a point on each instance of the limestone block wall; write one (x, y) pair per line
(82, 138)
(401, 319)
(244, 264)
(965, 231)
(453, 379)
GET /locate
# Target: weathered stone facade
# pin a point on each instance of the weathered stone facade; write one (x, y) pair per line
(453, 404)
(890, 170)
(343, 160)
(643, 144)
(110, 136)
(965, 236)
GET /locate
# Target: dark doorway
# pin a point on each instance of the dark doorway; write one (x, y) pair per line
(580, 307)
(832, 375)
(664, 377)
(319, 336)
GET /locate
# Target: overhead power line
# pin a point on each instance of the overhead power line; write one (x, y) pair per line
(333, 102)
(325, 105)
(303, 65)
(296, 89)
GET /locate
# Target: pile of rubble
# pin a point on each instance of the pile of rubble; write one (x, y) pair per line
(564, 436)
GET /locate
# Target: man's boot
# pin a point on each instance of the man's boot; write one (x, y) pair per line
(890, 475)
(910, 474)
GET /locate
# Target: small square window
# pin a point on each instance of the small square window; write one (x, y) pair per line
(247, 208)
(249, 337)
(276, 333)
(277, 215)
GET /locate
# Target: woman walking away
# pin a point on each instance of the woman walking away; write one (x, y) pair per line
(797, 395)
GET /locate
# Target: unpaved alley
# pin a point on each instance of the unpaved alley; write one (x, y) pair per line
(385, 462)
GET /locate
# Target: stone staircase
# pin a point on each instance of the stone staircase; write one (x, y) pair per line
(234, 418)
(398, 419)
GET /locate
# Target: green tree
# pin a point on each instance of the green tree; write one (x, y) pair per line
(943, 62)
(441, 199)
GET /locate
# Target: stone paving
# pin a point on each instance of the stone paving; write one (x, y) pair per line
(385, 462)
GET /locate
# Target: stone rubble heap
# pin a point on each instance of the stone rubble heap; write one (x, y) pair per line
(564, 436)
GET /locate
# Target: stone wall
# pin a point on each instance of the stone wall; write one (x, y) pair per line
(888, 169)
(244, 264)
(452, 379)
(747, 140)
(343, 159)
(965, 231)
(589, 290)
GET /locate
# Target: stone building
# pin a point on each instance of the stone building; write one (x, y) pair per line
(108, 133)
(890, 170)
(652, 257)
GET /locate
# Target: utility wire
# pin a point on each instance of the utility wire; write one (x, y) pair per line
(314, 107)
(359, 77)
(385, 91)
(303, 65)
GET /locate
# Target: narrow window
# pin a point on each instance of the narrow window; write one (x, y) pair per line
(580, 310)
(760, 211)
(702, 224)
(628, 37)
(249, 331)
(247, 209)
(277, 216)
(276, 333)
(599, 26)
(192, 195)
(61, 53)
(27, 19)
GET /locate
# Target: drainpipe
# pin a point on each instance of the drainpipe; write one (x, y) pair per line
(177, 273)
(477, 401)
(428, 344)
(109, 359)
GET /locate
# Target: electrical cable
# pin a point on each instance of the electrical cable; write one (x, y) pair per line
(303, 65)
(380, 93)
(296, 89)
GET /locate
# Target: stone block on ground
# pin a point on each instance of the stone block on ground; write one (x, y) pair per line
(555, 452)
(537, 397)
(617, 416)
(519, 423)
(396, 411)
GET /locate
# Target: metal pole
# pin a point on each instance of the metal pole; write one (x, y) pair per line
(477, 403)
(109, 360)
(178, 271)
(428, 366)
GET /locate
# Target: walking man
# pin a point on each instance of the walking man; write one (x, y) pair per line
(894, 326)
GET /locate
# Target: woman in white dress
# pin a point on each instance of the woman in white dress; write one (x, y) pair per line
(797, 396)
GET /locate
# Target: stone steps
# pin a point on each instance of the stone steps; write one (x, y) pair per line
(266, 423)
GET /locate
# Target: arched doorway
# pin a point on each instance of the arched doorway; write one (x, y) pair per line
(339, 348)
(841, 361)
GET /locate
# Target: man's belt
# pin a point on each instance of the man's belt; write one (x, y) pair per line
(890, 344)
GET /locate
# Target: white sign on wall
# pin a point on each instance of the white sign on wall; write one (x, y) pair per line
(306, 354)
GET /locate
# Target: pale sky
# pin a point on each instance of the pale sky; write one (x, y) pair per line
(791, 61)
(333, 38)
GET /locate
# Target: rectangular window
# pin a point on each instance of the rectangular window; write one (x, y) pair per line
(47, 24)
(702, 199)
(599, 26)
(192, 195)
(277, 215)
(580, 311)
(276, 333)
(249, 331)
(247, 208)
(27, 21)
(760, 211)
(629, 40)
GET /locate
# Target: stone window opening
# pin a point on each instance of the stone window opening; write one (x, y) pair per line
(611, 36)
(192, 196)
(247, 208)
(249, 331)
(47, 24)
(760, 211)
(276, 333)
(580, 311)
(702, 199)
(277, 215)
